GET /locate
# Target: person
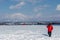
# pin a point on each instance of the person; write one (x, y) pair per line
(50, 28)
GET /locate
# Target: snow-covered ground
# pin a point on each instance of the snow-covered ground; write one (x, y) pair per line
(28, 32)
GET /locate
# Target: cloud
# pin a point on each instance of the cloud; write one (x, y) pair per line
(28, 0)
(23, 2)
(15, 17)
(41, 7)
(58, 7)
(19, 5)
(37, 17)
(42, 17)
(19, 16)
(56, 17)
(31, 1)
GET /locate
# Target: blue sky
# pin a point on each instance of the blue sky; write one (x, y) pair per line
(29, 10)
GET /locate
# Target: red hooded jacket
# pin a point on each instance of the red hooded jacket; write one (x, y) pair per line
(50, 28)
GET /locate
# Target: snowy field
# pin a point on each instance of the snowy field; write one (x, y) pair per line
(28, 32)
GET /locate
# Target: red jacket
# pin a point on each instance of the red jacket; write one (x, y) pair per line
(50, 28)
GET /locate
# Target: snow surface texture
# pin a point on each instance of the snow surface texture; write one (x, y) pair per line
(28, 32)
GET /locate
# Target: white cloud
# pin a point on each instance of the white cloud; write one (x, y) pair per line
(19, 16)
(19, 5)
(28, 0)
(15, 0)
(31, 1)
(38, 15)
(56, 16)
(15, 17)
(35, 1)
(41, 7)
(23, 2)
(58, 7)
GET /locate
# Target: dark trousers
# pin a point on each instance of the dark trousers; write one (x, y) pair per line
(49, 33)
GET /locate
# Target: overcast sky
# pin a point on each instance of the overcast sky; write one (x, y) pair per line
(29, 10)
